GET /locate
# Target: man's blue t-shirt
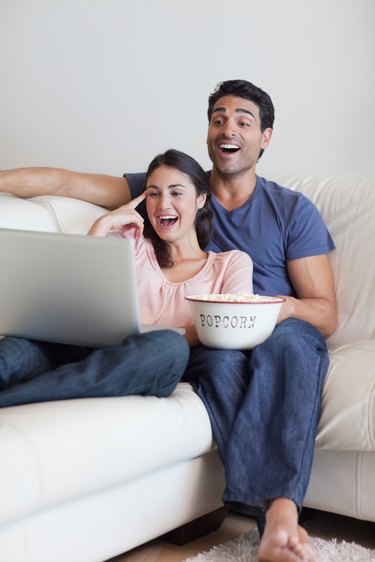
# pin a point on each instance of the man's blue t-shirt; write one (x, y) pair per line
(274, 226)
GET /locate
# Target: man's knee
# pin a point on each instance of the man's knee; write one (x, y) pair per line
(218, 367)
(292, 332)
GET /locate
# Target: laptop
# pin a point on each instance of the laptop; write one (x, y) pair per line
(67, 288)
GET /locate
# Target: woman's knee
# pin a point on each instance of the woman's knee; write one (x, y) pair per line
(166, 348)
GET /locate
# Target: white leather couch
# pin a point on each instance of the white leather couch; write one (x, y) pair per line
(85, 480)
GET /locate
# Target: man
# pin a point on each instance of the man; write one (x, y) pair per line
(263, 405)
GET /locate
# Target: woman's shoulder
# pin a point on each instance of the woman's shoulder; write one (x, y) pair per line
(232, 256)
(232, 262)
(144, 251)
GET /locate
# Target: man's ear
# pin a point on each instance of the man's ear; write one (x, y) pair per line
(201, 200)
(267, 134)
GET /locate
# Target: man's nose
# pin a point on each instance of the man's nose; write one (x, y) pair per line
(228, 130)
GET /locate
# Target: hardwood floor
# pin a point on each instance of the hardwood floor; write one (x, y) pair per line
(329, 526)
(321, 524)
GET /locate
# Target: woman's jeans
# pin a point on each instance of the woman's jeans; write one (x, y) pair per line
(264, 409)
(147, 364)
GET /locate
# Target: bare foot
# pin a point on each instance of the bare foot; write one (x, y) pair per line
(283, 539)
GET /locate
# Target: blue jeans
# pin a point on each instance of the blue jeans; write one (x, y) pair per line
(264, 409)
(147, 364)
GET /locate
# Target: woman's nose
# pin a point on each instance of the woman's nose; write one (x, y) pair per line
(165, 201)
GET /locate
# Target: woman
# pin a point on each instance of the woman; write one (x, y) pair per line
(170, 264)
(169, 257)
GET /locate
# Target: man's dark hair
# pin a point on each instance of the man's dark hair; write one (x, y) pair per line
(246, 90)
(203, 220)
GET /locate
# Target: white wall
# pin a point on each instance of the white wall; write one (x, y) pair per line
(104, 85)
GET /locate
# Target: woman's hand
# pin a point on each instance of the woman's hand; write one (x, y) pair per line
(121, 220)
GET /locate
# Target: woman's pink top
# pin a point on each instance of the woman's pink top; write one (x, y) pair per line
(164, 303)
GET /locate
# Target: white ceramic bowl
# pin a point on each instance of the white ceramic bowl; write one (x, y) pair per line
(234, 321)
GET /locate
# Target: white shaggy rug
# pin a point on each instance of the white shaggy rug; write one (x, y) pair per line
(244, 549)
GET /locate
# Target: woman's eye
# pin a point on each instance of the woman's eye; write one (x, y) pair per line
(176, 193)
(152, 193)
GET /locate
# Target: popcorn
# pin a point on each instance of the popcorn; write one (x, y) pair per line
(235, 297)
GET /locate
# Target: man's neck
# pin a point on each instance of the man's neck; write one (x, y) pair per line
(232, 191)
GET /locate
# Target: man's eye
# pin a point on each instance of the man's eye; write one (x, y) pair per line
(217, 122)
(245, 124)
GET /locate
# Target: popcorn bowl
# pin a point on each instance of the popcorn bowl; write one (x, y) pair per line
(234, 321)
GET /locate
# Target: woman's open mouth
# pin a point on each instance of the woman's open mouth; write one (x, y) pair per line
(167, 221)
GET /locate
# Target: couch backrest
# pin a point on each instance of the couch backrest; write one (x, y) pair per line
(347, 204)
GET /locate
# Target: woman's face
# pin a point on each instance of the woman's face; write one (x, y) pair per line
(172, 203)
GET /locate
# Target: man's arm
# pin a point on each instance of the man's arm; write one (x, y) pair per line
(314, 285)
(103, 190)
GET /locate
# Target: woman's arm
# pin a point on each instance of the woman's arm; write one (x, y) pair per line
(239, 274)
(238, 279)
(191, 336)
(121, 220)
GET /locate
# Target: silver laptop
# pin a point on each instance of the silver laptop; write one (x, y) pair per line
(67, 288)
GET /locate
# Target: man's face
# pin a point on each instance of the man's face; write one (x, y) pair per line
(234, 137)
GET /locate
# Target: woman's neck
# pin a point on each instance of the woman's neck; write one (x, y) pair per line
(185, 269)
(188, 260)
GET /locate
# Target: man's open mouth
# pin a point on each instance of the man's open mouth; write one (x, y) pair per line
(229, 148)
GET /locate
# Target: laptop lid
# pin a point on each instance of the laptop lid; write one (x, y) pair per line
(67, 288)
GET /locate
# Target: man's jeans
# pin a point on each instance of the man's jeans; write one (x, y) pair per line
(264, 408)
(147, 364)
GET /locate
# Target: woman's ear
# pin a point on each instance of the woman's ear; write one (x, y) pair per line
(201, 200)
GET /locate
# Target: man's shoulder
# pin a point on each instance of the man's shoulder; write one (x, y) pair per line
(281, 194)
(136, 181)
(273, 186)
(135, 176)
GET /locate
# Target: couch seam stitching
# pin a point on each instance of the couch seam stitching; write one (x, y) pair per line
(52, 212)
(358, 482)
(371, 415)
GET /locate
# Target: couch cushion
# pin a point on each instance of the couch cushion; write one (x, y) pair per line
(347, 205)
(25, 214)
(47, 213)
(72, 215)
(57, 451)
(347, 421)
